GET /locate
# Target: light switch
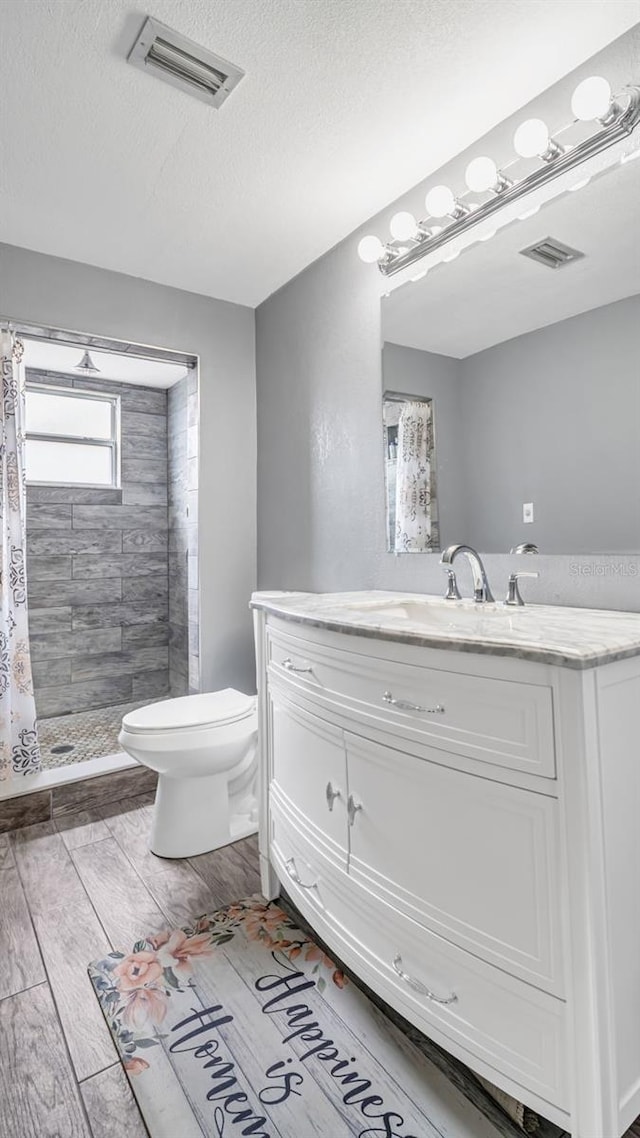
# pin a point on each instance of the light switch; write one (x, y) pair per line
(527, 511)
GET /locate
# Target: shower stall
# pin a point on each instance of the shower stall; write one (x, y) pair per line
(111, 543)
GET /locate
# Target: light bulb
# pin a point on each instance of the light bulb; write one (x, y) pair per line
(440, 201)
(529, 213)
(403, 226)
(630, 156)
(481, 175)
(488, 236)
(531, 139)
(370, 249)
(452, 256)
(591, 99)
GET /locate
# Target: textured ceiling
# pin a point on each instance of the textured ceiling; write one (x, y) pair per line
(492, 293)
(346, 104)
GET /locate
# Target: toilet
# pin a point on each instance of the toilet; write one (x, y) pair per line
(204, 748)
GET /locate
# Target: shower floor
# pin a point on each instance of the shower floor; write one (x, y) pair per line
(67, 739)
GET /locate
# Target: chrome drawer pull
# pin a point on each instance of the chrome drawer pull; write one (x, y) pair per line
(405, 706)
(331, 795)
(289, 666)
(290, 867)
(418, 987)
(352, 809)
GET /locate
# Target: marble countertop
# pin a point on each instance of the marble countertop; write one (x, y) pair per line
(571, 637)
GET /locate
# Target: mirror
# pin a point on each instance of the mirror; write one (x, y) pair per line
(520, 384)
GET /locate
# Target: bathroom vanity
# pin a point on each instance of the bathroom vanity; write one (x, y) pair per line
(450, 794)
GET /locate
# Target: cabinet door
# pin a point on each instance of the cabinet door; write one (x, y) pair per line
(308, 770)
(472, 859)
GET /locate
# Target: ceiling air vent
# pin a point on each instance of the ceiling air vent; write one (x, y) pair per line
(552, 253)
(183, 63)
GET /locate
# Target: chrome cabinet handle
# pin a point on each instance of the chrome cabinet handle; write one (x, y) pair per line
(352, 809)
(405, 706)
(289, 665)
(290, 867)
(331, 795)
(418, 987)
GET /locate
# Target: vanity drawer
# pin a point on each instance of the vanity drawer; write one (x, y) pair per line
(512, 1027)
(497, 722)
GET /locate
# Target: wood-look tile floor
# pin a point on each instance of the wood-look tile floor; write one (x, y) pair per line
(70, 891)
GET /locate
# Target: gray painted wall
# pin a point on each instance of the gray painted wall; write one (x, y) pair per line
(184, 650)
(320, 465)
(541, 418)
(97, 569)
(65, 294)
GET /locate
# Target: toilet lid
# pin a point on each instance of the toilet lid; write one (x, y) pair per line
(215, 707)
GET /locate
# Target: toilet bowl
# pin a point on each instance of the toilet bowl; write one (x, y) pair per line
(204, 748)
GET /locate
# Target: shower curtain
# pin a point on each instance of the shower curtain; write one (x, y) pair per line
(19, 751)
(413, 479)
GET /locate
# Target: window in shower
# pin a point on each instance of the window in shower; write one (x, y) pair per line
(73, 438)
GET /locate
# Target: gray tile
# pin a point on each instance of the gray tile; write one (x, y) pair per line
(178, 662)
(178, 637)
(150, 540)
(88, 565)
(143, 635)
(129, 662)
(193, 603)
(47, 378)
(93, 792)
(119, 517)
(49, 620)
(194, 673)
(46, 515)
(192, 442)
(144, 470)
(140, 423)
(151, 685)
(141, 612)
(192, 473)
(145, 494)
(83, 696)
(42, 594)
(24, 810)
(146, 588)
(51, 672)
(178, 684)
(73, 494)
(192, 412)
(178, 607)
(152, 401)
(73, 541)
(144, 446)
(194, 640)
(192, 383)
(48, 568)
(53, 645)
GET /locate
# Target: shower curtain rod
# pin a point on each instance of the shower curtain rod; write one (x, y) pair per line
(99, 343)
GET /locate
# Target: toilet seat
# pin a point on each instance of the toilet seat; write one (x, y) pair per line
(210, 709)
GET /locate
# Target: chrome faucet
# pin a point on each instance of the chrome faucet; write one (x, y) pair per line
(481, 590)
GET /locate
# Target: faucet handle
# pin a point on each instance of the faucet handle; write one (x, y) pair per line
(453, 592)
(513, 595)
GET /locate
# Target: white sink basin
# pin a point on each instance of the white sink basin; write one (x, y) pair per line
(430, 613)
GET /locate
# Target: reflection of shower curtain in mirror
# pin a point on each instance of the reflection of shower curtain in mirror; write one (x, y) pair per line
(19, 752)
(413, 479)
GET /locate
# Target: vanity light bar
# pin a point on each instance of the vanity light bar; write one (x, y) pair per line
(592, 101)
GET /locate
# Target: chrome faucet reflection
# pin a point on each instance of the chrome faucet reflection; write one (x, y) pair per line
(481, 590)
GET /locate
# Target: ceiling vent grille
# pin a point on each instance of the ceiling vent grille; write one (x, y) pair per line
(183, 63)
(552, 253)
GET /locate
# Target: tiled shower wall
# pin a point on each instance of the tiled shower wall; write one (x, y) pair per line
(184, 648)
(97, 568)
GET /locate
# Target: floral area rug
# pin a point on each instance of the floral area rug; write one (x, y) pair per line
(242, 1026)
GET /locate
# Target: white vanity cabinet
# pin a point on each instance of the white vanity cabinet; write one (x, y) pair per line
(461, 828)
